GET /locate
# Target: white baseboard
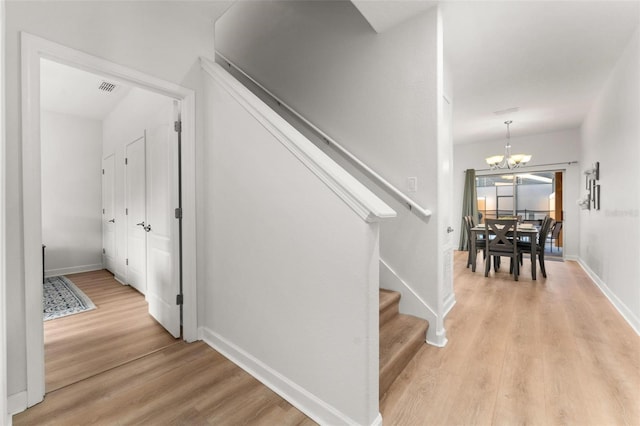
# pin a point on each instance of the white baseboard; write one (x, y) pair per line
(121, 280)
(449, 303)
(412, 304)
(17, 403)
(317, 409)
(72, 270)
(626, 313)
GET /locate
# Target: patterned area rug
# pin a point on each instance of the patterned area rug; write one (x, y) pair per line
(61, 297)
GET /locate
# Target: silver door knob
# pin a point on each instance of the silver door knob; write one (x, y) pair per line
(140, 224)
(147, 228)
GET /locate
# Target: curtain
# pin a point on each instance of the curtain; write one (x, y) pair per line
(469, 205)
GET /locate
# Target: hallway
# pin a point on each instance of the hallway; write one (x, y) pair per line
(546, 352)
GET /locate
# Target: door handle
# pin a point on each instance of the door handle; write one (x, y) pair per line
(140, 224)
(449, 229)
(112, 221)
(147, 228)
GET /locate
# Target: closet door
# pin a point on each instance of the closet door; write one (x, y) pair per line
(135, 214)
(163, 238)
(108, 214)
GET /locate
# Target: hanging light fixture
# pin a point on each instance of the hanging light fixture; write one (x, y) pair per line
(508, 160)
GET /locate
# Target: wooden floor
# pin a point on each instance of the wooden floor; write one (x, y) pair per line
(547, 352)
(116, 365)
(118, 331)
(550, 352)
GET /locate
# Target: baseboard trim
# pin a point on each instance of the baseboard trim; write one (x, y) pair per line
(626, 313)
(318, 410)
(412, 304)
(72, 270)
(17, 403)
(119, 279)
(449, 303)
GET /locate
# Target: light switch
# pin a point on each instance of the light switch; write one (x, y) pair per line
(412, 184)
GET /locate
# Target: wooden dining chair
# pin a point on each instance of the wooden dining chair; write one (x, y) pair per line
(480, 245)
(503, 244)
(527, 246)
(555, 233)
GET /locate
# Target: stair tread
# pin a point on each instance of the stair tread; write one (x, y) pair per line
(387, 298)
(401, 331)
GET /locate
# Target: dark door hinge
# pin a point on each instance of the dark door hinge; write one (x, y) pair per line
(126, 211)
(179, 299)
(126, 262)
(102, 171)
(126, 161)
(178, 213)
(104, 251)
(177, 126)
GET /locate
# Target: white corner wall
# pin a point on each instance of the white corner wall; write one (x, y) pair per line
(375, 94)
(558, 148)
(611, 135)
(71, 193)
(162, 38)
(122, 126)
(292, 271)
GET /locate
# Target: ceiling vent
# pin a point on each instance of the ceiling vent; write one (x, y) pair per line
(507, 111)
(105, 86)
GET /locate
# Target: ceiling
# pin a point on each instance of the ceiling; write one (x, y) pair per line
(68, 90)
(383, 15)
(547, 59)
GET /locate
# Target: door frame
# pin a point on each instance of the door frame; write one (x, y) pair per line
(110, 157)
(34, 48)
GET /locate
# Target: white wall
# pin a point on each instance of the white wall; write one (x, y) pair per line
(71, 193)
(376, 94)
(611, 135)
(4, 415)
(163, 39)
(557, 147)
(292, 270)
(122, 126)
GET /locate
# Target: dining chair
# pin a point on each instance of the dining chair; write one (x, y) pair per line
(555, 233)
(527, 246)
(503, 244)
(468, 224)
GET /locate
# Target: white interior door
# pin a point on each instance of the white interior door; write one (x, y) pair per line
(163, 239)
(135, 210)
(108, 213)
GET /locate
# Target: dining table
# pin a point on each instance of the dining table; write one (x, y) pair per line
(526, 230)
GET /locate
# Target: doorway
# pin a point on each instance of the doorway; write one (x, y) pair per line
(528, 195)
(33, 50)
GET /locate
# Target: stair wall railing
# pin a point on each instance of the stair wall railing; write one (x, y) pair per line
(375, 176)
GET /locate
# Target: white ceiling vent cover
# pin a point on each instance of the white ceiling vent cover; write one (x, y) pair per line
(105, 86)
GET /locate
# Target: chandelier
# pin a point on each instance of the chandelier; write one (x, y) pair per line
(508, 160)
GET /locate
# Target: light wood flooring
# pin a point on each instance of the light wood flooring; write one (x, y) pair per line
(118, 331)
(549, 352)
(116, 365)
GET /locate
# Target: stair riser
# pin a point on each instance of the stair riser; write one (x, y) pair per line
(390, 372)
(389, 313)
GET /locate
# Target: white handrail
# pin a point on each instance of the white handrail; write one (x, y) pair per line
(357, 196)
(411, 204)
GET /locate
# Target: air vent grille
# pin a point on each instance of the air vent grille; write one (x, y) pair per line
(506, 111)
(105, 86)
